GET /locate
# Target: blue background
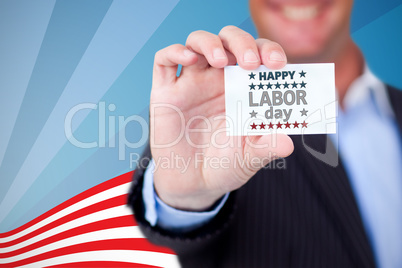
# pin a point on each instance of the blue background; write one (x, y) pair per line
(55, 55)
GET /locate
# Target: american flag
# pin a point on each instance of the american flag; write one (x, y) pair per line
(93, 229)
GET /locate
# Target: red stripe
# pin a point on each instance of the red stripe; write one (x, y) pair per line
(122, 221)
(102, 264)
(111, 244)
(92, 191)
(105, 244)
(105, 204)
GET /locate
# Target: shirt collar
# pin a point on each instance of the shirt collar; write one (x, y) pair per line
(365, 87)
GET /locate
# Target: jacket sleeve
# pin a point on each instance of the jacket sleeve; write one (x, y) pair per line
(184, 244)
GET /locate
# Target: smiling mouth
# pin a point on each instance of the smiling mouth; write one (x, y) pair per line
(299, 13)
(299, 10)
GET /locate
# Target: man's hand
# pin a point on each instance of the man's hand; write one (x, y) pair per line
(187, 116)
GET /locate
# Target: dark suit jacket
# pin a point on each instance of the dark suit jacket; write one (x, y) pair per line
(302, 216)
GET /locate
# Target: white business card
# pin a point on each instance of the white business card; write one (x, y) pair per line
(298, 99)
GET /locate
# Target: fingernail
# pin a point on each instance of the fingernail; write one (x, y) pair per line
(188, 53)
(276, 56)
(250, 57)
(219, 54)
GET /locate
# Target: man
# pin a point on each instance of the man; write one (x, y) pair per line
(310, 212)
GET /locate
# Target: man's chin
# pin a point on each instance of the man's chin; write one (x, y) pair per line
(307, 56)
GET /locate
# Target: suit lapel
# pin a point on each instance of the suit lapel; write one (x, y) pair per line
(330, 181)
(328, 177)
(395, 98)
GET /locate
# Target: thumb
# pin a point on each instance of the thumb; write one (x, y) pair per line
(260, 150)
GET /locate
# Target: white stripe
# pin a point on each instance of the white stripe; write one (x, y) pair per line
(109, 193)
(109, 213)
(115, 233)
(132, 256)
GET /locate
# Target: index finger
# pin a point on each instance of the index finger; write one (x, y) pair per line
(272, 54)
(250, 53)
(242, 45)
